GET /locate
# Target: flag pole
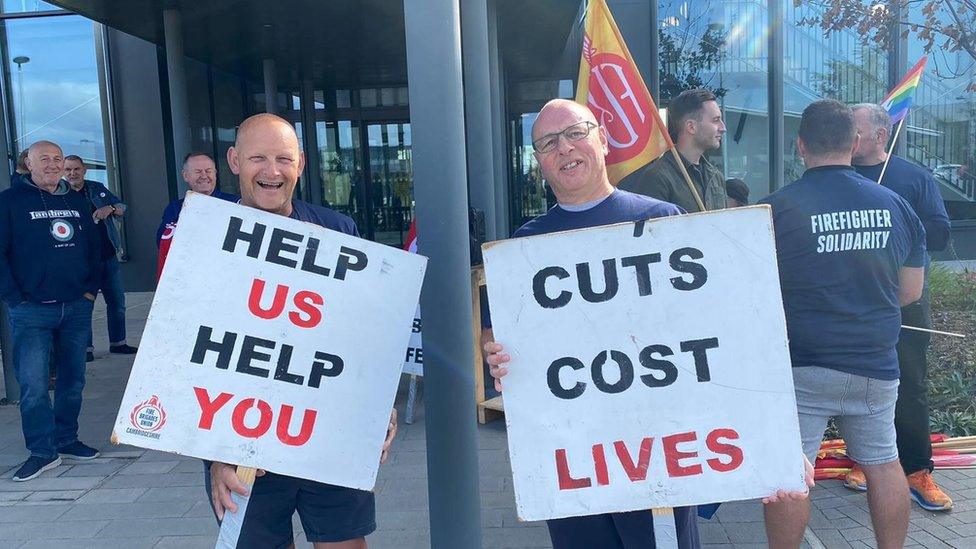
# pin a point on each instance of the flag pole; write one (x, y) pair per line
(891, 148)
(684, 173)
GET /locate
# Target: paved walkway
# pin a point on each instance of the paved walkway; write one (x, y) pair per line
(132, 498)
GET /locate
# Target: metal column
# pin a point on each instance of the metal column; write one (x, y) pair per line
(436, 116)
(270, 87)
(11, 389)
(310, 139)
(176, 80)
(776, 89)
(898, 63)
(477, 110)
(499, 125)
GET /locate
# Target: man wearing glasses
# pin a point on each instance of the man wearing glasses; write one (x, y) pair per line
(200, 174)
(571, 149)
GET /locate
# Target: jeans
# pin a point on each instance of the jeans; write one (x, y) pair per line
(912, 410)
(36, 328)
(111, 287)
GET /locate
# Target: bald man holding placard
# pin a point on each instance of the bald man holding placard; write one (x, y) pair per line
(571, 148)
(274, 347)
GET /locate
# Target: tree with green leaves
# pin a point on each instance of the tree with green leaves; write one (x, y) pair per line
(689, 60)
(945, 25)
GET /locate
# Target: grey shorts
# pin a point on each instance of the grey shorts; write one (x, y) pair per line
(862, 407)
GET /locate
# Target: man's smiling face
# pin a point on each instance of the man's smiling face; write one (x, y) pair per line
(268, 161)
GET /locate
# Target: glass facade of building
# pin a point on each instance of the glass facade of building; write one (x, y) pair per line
(56, 87)
(53, 82)
(723, 45)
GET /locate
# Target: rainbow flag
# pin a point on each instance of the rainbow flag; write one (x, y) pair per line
(900, 99)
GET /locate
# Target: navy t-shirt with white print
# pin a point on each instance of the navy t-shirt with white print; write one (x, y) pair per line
(609, 530)
(841, 240)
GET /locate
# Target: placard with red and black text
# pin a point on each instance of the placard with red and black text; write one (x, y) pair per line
(649, 365)
(274, 344)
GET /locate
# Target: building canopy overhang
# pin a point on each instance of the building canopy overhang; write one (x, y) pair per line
(338, 43)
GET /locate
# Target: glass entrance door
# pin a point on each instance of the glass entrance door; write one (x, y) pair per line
(390, 181)
(373, 184)
(341, 166)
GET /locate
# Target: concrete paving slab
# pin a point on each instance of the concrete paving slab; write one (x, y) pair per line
(134, 498)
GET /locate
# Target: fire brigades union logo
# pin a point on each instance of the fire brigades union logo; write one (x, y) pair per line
(619, 104)
(61, 230)
(148, 416)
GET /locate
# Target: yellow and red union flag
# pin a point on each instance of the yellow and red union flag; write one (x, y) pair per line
(611, 86)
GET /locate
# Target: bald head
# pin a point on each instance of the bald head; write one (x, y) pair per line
(261, 124)
(46, 164)
(267, 160)
(557, 108)
(571, 149)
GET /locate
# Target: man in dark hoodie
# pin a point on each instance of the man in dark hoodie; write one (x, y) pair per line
(50, 256)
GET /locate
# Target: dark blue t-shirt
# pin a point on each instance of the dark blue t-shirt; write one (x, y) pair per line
(619, 207)
(323, 217)
(611, 530)
(841, 240)
(916, 185)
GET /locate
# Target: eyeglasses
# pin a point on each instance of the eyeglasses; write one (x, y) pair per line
(576, 132)
(198, 173)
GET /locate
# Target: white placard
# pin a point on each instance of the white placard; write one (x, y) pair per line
(413, 362)
(274, 344)
(650, 365)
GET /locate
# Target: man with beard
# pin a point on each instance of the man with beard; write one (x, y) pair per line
(696, 127)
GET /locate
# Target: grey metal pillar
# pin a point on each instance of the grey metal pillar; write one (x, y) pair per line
(776, 89)
(11, 390)
(654, 82)
(898, 63)
(477, 110)
(270, 87)
(176, 80)
(439, 169)
(310, 138)
(499, 126)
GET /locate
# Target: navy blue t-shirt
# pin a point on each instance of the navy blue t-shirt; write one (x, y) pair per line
(619, 207)
(916, 185)
(610, 530)
(841, 240)
(323, 217)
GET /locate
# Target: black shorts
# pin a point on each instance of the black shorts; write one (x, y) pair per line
(632, 530)
(328, 513)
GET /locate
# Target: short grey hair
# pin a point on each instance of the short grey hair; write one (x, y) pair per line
(877, 115)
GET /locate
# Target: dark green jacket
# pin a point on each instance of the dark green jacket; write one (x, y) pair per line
(661, 179)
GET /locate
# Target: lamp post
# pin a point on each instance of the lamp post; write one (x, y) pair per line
(21, 60)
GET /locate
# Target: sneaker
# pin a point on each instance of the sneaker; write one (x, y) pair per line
(89, 356)
(34, 466)
(927, 493)
(123, 349)
(855, 479)
(77, 450)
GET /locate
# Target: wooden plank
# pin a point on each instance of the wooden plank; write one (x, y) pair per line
(494, 404)
(477, 281)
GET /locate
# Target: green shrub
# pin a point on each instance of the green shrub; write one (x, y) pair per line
(951, 360)
(952, 291)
